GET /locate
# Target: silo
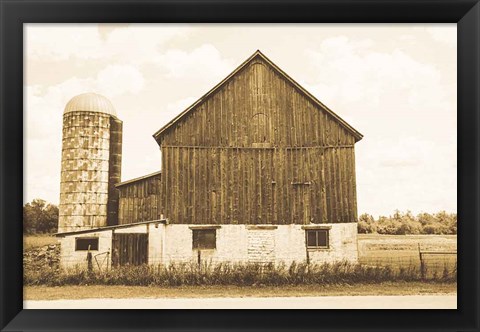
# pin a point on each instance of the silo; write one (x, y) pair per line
(91, 164)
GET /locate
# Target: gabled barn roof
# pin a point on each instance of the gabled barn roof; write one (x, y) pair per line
(358, 136)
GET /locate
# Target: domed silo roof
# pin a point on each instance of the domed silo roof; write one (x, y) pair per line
(90, 102)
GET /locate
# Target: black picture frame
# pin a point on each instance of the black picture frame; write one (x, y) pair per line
(466, 13)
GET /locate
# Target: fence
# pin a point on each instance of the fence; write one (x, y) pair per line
(432, 260)
(429, 263)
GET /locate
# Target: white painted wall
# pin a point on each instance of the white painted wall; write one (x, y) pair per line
(235, 243)
(231, 244)
(69, 258)
(243, 243)
(156, 242)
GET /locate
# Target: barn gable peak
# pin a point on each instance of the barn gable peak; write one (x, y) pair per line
(258, 56)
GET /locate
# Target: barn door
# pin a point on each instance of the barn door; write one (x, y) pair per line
(129, 249)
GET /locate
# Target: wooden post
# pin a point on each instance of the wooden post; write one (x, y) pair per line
(89, 260)
(115, 253)
(422, 264)
(108, 265)
(199, 258)
(306, 249)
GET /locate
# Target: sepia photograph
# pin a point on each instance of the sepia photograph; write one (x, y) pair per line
(240, 166)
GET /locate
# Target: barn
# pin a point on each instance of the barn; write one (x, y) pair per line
(256, 170)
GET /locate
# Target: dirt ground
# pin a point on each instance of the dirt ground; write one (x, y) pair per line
(84, 292)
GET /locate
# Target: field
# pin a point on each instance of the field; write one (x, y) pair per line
(402, 251)
(34, 241)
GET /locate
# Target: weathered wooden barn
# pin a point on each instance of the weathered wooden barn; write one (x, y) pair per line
(257, 170)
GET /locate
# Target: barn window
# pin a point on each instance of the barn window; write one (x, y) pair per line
(204, 238)
(317, 238)
(83, 243)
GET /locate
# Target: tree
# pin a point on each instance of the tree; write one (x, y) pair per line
(366, 224)
(367, 218)
(425, 218)
(406, 223)
(40, 217)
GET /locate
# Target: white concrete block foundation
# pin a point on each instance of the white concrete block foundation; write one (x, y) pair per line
(234, 243)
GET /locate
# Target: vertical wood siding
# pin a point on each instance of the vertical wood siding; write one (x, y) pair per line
(129, 249)
(114, 170)
(140, 200)
(257, 106)
(258, 151)
(204, 185)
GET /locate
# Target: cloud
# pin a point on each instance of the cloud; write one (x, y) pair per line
(43, 122)
(143, 43)
(171, 110)
(52, 42)
(406, 173)
(112, 80)
(403, 152)
(119, 79)
(443, 34)
(353, 79)
(204, 62)
(140, 152)
(135, 44)
(406, 110)
(356, 72)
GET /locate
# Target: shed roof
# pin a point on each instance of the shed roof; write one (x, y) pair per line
(140, 178)
(358, 136)
(106, 228)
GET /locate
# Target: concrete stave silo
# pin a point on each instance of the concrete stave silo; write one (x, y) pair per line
(91, 163)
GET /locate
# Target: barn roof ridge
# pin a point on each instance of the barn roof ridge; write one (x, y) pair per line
(358, 136)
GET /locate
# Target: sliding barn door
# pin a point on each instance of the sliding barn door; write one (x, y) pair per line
(130, 249)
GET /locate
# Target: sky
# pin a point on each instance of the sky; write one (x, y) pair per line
(395, 83)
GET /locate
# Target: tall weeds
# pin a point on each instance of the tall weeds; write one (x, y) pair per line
(240, 274)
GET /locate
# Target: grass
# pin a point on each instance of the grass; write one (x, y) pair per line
(382, 259)
(238, 274)
(40, 240)
(406, 242)
(402, 251)
(97, 291)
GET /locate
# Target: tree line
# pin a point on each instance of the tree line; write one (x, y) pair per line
(40, 217)
(406, 223)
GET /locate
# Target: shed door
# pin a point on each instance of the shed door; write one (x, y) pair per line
(130, 249)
